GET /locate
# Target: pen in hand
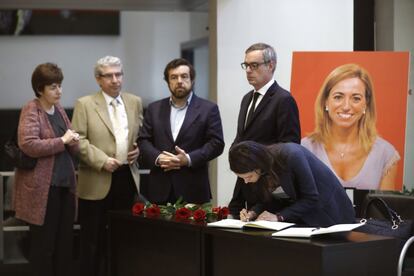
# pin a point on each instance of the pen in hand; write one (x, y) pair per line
(247, 211)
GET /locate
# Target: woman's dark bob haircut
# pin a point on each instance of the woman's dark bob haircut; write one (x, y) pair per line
(250, 156)
(45, 74)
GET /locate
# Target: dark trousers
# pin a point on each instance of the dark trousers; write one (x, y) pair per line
(93, 218)
(52, 243)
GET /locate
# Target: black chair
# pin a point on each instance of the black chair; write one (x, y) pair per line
(404, 206)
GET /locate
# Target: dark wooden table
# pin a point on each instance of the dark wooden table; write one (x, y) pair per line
(235, 252)
(156, 246)
(153, 246)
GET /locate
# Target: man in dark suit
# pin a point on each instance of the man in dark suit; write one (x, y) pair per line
(179, 136)
(268, 113)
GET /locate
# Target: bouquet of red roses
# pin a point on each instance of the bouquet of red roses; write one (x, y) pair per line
(181, 210)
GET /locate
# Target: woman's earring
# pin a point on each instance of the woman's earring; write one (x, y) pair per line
(326, 108)
(363, 112)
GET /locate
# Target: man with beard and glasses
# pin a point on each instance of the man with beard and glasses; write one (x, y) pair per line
(180, 134)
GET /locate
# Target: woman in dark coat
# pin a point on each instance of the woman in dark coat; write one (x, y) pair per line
(286, 182)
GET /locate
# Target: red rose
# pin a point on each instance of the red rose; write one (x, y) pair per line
(153, 211)
(224, 212)
(138, 208)
(216, 210)
(182, 213)
(199, 215)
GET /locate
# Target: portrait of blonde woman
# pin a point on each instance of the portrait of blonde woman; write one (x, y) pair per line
(345, 137)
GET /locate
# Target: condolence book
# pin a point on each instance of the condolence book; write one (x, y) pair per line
(262, 224)
(307, 232)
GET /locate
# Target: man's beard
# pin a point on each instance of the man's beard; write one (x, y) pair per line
(182, 94)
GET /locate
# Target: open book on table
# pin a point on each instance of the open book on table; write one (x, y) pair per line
(262, 224)
(307, 232)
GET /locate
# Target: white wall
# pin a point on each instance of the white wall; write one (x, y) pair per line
(288, 25)
(394, 32)
(75, 55)
(147, 42)
(201, 86)
(404, 41)
(151, 41)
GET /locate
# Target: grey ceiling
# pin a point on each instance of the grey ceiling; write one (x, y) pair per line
(141, 5)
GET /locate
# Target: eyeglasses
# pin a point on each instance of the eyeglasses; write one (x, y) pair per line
(110, 76)
(253, 65)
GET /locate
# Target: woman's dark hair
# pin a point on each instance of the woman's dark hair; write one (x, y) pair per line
(250, 156)
(176, 63)
(45, 74)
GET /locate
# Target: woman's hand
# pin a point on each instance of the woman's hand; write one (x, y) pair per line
(70, 137)
(247, 215)
(267, 216)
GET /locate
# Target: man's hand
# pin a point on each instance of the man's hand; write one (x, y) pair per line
(112, 164)
(182, 156)
(169, 161)
(133, 154)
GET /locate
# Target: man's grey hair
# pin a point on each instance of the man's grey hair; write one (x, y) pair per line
(106, 61)
(269, 54)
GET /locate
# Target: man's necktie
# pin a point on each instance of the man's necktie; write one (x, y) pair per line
(252, 108)
(120, 133)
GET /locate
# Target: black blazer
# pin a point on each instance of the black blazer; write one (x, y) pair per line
(201, 136)
(276, 118)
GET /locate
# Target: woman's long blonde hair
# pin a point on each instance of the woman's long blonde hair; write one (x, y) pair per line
(367, 131)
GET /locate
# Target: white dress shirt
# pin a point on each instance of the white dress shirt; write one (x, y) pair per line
(262, 92)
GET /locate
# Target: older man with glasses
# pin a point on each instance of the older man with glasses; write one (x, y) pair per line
(108, 123)
(268, 113)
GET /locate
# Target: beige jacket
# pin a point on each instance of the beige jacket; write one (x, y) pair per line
(97, 140)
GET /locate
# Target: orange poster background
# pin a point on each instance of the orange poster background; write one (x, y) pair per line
(389, 72)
